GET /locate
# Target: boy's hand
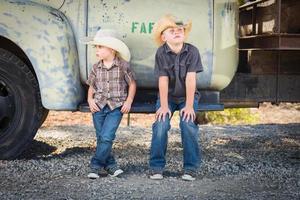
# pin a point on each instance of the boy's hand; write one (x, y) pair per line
(188, 113)
(162, 112)
(93, 106)
(126, 107)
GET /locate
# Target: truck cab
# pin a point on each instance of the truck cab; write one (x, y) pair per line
(44, 66)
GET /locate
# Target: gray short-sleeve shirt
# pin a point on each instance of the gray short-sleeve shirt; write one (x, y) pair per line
(176, 66)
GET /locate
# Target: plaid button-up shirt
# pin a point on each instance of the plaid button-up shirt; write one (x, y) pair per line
(110, 85)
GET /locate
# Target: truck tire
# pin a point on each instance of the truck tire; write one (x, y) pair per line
(45, 113)
(21, 110)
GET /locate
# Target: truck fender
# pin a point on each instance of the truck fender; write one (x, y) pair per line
(46, 37)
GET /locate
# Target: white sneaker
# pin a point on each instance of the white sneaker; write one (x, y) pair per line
(115, 173)
(156, 177)
(188, 177)
(93, 175)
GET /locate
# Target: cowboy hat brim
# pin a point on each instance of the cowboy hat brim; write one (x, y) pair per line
(110, 42)
(166, 22)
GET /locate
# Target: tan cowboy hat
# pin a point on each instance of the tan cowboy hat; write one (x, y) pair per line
(169, 21)
(109, 38)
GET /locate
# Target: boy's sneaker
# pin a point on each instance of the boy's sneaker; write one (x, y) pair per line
(114, 171)
(156, 175)
(189, 176)
(93, 174)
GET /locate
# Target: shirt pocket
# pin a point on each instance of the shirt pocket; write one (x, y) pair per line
(171, 71)
(99, 82)
(117, 76)
(99, 85)
(183, 70)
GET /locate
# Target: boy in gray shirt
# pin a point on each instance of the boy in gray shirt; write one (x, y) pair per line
(176, 65)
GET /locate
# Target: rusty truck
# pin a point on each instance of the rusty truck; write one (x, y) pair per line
(44, 66)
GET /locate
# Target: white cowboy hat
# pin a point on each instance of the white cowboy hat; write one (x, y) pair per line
(109, 38)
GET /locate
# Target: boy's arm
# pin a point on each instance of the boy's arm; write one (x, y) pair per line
(161, 113)
(190, 84)
(163, 85)
(91, 101)
(90, 98)
(188, 111)
(131, 93)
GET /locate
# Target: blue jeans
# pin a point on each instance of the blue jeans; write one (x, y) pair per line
(189, 137)
(106, 123)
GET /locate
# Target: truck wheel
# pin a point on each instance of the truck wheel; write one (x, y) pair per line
(45, 113)
(21, 109)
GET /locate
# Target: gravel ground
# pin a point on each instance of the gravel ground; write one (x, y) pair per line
(239, 162)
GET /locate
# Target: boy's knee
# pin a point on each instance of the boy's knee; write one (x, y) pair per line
(188, 125)
(162, 125)
(107, 140)
(165, 125)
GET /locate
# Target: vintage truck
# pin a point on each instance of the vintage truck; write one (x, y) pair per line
(43, 65)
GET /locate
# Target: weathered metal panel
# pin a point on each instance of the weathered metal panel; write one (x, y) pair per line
(50, 39)
(46, 38)
(225, 59)
(54, 4)
(78, 22)
(134, 20)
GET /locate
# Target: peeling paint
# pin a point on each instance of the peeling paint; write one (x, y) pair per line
(51, 49)
(225, 43)
(3, 30)
(50, 39)
(42, 21)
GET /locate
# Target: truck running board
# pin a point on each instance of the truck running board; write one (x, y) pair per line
(150, 107)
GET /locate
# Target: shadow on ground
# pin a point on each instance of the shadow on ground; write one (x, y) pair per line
(234, 144)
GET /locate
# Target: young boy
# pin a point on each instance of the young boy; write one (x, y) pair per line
(176, 65)
(108, 97)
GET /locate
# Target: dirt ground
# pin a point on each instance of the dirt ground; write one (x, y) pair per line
(257, 161)
(268, 114)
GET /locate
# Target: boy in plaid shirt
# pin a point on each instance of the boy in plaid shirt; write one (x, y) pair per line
(111, 92)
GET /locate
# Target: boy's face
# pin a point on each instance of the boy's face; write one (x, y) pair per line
(173, 35)
(103, 52)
